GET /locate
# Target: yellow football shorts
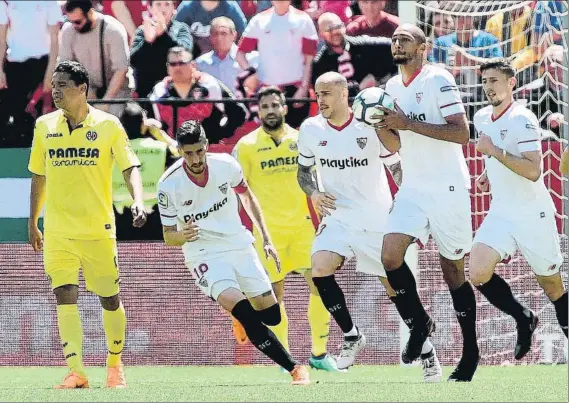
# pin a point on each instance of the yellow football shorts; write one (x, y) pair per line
(98, 258)
(293, 247)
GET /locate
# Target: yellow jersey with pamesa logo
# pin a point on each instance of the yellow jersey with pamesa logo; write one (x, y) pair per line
(270, 170)
(78, 166)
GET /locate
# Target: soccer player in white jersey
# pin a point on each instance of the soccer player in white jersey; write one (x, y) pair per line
(522, 213)
(428, 129)
(354, 200)
(198, 206)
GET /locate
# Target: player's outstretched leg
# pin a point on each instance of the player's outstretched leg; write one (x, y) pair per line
(483, 260)
(555, 291)
(71, 334)
(464, 303)
(255, 323)
(319, 320)
(114, 323)
(324, 264)
(404, 285)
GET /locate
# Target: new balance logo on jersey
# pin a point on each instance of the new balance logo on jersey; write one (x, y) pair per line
(362, 141)
(204, 214)
(187, 203)
(421, 117)
(345, 163)
(223, 188)
(277, 162)
(322, 143)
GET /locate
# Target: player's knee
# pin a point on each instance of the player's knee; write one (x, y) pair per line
(66, 294)
(271, 316)
(244, 312)
(392, 259)
(110, 303)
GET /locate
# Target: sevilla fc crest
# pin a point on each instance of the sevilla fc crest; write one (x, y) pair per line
(362, 141)
(223, 188)
(419, 96)
(503, 134)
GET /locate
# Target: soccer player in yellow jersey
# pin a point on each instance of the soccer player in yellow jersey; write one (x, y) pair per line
(564, 166)
(73, 153)
(268, 156)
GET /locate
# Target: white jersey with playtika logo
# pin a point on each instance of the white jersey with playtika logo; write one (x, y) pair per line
(212, 205)
(349, 162)
(429, 164)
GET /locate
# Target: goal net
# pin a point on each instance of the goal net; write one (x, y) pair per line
(533, 35)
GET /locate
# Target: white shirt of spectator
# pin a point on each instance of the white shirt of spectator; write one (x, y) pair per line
(428, 164)
(212, 206)
(28, 34)
(517, 131)
(349, 162)
(282, 42)
(225, 70)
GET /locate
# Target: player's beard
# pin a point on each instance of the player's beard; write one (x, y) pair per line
(87, 27)
(401, 59)
(278, 122)
(197, 169)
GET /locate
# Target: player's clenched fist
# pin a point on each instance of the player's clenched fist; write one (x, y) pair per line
(191, 231)
(35, 237)
(485, 145)
(323, 202)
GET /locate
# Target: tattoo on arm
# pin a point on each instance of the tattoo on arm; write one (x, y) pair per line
(306, 179)
(396, 172)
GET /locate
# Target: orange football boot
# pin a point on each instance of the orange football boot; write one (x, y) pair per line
(73, 380)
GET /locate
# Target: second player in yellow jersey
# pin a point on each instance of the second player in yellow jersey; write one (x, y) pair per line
(268, 157)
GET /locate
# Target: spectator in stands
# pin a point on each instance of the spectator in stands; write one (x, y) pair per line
(153, 154)
(129, 12)
(185, 82)
(99, 43)
(355, 57)
(339, 7)
(154, 38)
(221, 62)
(374, 21)
(437, 24)
(28, 52)
(467, 47)
(198, 14)
(512, 28)
(287, 40)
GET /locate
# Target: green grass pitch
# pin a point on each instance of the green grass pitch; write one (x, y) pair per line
(361, 383)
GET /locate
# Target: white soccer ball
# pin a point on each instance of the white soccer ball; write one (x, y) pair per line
(366, 101)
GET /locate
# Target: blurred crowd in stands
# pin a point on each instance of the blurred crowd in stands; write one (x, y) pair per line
(211, 49)
(173, 53)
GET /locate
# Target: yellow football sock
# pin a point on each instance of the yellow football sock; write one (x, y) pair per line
(319, 319)
(71, 334)
(114, 323)
(281, 330)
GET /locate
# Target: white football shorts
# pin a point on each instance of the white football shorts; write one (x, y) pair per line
(534, 234)
(365, 246)
(240, 269)
(444, 215)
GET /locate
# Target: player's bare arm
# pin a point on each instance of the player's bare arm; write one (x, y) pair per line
(396, 172)
(253, 209)
(564, 167)
(528, 165)
(454, 131)
(322, 201)
(133, 181)
(37, 201)
(173, 237)
(389, 138)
